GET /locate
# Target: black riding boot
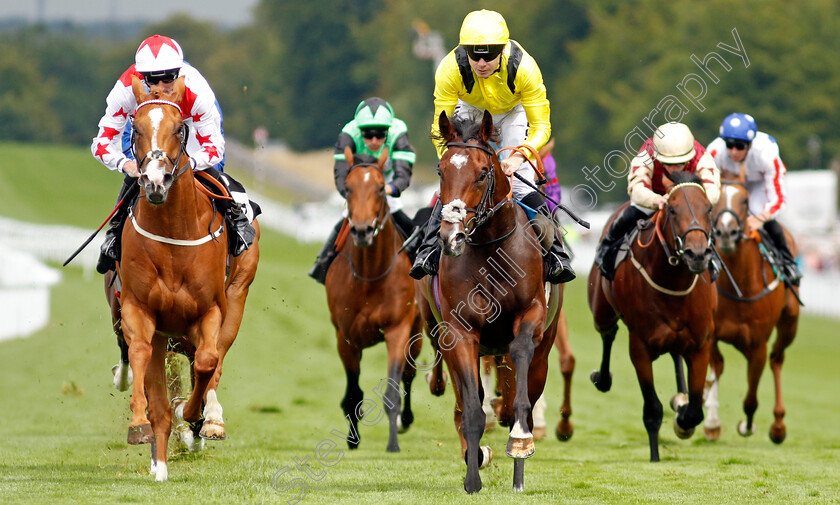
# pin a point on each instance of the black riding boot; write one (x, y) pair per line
(406, 228)
(109, 253)
(789, 267)
(428, 255)
(608, 248)
(558, 264)
(326, 256)
(241, 232)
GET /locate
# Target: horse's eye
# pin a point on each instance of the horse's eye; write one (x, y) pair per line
(482, 176)
(437, 169)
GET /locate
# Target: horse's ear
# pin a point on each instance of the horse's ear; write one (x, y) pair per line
(447, 131)
(179, 90)
(348, 156)
(383, 158)
(485, 131)
(137, 87)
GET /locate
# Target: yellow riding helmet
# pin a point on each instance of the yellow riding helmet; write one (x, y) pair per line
(484, 27)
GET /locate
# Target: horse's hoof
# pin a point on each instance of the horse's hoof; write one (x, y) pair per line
(680, 431)
(712, 434)
(486, 456)
(539, 432)
(602, 385)
(777, 436)
(212, 430)
(138, 435)
(678, 400)
(745, 431)
(564, 430)
(520, 448)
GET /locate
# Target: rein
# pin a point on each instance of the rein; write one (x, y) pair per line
(481, 213)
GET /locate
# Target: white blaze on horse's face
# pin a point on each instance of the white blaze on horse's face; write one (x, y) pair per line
(156, 168)
(726, 228)
(459, 160)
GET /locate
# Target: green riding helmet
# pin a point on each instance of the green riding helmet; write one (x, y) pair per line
(374, 112)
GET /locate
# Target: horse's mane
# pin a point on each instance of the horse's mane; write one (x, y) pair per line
(684, 177)
(359, 158)
(468, 129)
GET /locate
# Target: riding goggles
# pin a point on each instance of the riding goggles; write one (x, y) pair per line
(377, 132)
(736, 144)
(166, 77)
(484, 52)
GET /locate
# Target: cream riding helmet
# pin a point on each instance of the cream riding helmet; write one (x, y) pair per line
(484, 34)
(673, 143)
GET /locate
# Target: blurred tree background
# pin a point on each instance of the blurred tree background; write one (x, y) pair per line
(300, 69)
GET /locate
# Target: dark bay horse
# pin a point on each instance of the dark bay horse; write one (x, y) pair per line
(491, 292)
(371, 299)
(665, 299)
(174, 292)
(748, 310)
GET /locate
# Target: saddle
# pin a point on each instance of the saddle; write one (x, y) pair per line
(627, 242)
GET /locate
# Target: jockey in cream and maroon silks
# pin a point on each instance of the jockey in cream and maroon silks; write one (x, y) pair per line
(159, 61)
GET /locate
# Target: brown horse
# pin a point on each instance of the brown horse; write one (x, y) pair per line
(174, 293)
(371, 299)
(665, 299)
(492, 297)
(753, 301)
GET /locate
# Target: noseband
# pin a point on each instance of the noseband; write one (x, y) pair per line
(380, 220)
(157, 154)
(485, 208)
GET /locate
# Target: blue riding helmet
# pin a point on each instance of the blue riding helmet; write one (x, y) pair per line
(739, 126)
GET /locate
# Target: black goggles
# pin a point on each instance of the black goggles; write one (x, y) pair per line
(736, 144)
(165, 77)
(370, 133)
(485, 52)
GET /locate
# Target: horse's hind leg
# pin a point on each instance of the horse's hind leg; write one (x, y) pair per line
(652, 410)
(565, 428)
(123, 376)
(681, 397)
(351, 357)
(785, 333)
(414, 346)
(396, 340)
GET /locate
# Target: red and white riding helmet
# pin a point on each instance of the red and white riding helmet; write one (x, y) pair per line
(158, 53)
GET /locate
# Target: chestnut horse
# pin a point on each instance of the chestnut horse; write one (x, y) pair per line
(174, 293)
(753, 301)
(371, 299)
(665, 299)
(492, 297)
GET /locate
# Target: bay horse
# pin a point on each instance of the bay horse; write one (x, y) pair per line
(174, 292)
(753, 301)
(491, 292)
(666, 300)
(371, 299)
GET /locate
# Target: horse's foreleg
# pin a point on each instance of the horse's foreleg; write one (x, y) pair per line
(711, 427)
(691, 414)
(521, 440)
(565, 428)
(396, 340)
(160, 412)
(463, 365)
(785, 333)
(652, 410)
(756, 359)
(351, 357)
(602, 378)
(139, 330)
(204, 366)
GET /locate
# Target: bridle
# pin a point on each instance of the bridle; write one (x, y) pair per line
(679, 240)
(157, 154)
(485, 208)
(381, 218)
